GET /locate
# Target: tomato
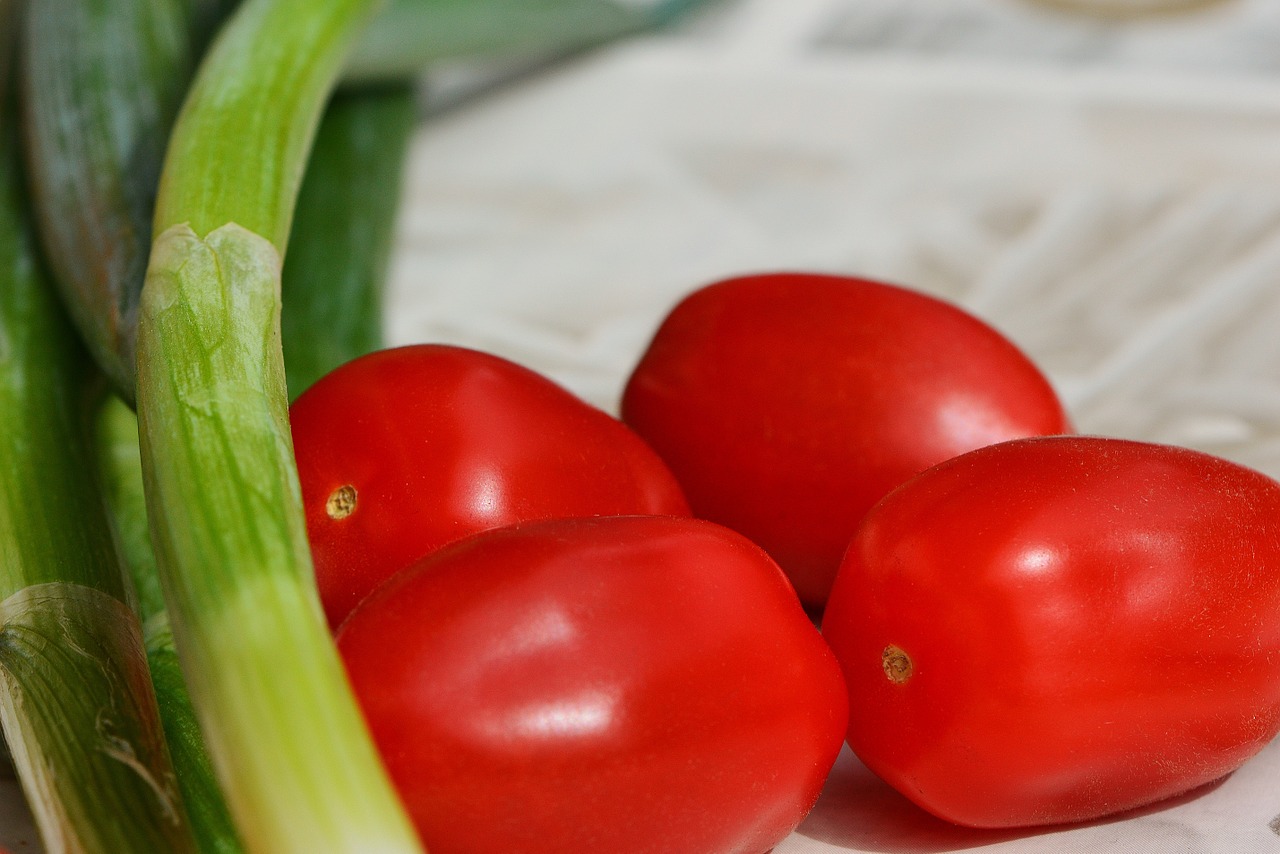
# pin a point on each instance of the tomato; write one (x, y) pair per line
(404, 450)
(625, 684)
(788, 404)
(1052, 630)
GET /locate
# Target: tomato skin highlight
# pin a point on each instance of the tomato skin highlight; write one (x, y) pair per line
(1092, 625)
(404, 450)
(787, 404)
(625, 684)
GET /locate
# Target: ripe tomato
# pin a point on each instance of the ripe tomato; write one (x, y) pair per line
(1051, 630)
(625, 684)
(404, 450)
(788, 404)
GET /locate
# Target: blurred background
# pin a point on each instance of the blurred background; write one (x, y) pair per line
(1098, 178)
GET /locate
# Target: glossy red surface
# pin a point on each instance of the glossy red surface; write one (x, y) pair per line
(788, 404)
(438, 442)
(626, 684)
(1091, 625)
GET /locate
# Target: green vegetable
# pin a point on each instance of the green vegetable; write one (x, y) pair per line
(103, 91)
(412, 32)
(342, 235)
(333, 277)
(76, 703)
(6, 54)
(211, 821)
(102, 82)
(120, 463)
(285, 736)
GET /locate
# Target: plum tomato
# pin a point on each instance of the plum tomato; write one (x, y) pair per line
(622, 685)
(406, 449)
(1056, 629)
(787, 404)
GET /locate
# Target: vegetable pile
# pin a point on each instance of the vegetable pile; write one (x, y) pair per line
(439, 603)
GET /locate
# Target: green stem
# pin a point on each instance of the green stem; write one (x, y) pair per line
(77, 708)
(120, 463)
(283, 730)
(102, 82)
(210, 819)
(342, 236)
(241, 143)
(412, 33)
(341, 239)
(75, 700)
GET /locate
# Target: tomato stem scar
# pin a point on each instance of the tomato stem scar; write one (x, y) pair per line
(897, 664)
(342, 503)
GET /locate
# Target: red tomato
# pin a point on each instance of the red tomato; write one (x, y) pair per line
(404, 450)
(1052, 630)
(788, 404)
(625, 684)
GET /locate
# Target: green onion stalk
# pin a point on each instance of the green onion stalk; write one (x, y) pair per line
(76, 702)
(120, 463)
(409, 33)
(6, 56)
(341, 238)
(102, 81)
(283, 730)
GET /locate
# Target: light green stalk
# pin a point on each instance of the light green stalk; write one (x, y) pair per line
(241, 143)
(211, 821)
(119, 461)
(340, 244)
(120, 464)
(284, 732)
(75, 699)
(102, 81)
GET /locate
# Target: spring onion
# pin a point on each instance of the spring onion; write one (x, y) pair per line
(286, 738)
(102, 82)
(76, 703)
(341, 240)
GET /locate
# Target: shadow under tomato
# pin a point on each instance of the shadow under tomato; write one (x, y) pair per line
(858, 810)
